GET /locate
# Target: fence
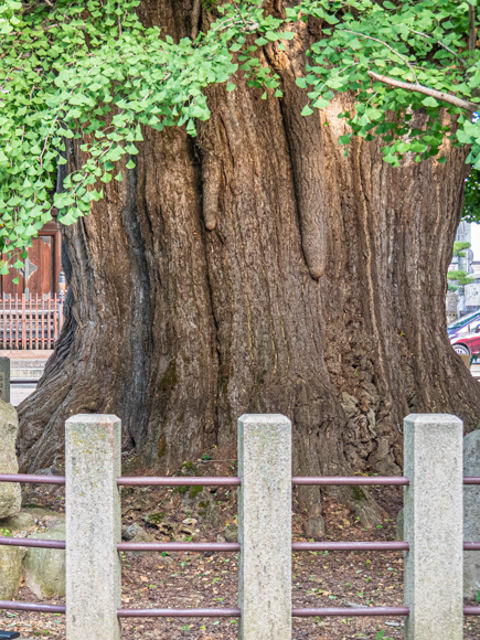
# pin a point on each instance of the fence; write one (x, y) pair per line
(433, 512)
(30, 323)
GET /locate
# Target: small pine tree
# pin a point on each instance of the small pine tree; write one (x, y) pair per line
(459, 278)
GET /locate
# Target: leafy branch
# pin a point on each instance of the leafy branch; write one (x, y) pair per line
(88, 70)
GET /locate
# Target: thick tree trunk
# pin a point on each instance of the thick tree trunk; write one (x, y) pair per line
(258, 269)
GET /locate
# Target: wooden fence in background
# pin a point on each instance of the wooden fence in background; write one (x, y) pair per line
(30, 323)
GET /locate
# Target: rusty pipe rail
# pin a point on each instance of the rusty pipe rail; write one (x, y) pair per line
(296, 480)
(14, 605)
(351, 612)
(331, 481)
(351, 546)
(31, 479)
(177, 481)
(32, 542)
(179, 546)
(179, 613)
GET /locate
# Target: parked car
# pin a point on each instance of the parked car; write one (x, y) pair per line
(467, 324)
(468, 342)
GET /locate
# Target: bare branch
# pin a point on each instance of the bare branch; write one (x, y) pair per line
(438, 95)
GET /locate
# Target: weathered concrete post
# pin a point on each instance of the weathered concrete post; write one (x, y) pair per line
(93, 581)
(5, 379)
(265, 527)
(434, 527)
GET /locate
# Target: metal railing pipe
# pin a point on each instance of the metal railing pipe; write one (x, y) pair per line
(330, 481)
(179, 613)
(179, 546)
(14, 605)
(31, 479)
(177, 481)
(351, 546)
(32, 542)
(351, 612)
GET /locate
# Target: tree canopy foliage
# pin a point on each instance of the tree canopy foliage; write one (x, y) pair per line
(471, 206)
(89, 70)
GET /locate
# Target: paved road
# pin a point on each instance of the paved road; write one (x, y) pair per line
(475, 370)
(18, 394)
(25, 364)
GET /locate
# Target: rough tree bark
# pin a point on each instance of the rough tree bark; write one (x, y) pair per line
(257, 269)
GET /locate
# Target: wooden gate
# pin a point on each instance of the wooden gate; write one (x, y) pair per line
(30, 323)
(42, 268)
(31, 311)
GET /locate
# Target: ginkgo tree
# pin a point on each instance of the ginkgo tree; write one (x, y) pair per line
(258, 204)
(91, 68)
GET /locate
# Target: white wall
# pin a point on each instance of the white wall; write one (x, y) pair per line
(476, 241)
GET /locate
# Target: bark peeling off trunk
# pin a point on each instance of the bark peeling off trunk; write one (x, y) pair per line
(258, 269)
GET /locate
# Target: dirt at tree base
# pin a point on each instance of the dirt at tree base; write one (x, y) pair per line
(208, 580)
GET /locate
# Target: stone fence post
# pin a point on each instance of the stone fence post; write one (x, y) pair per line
(433, 511)
(265, 527)
(5, 379)
(93, 579)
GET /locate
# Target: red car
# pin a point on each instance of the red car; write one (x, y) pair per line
(468, 342)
